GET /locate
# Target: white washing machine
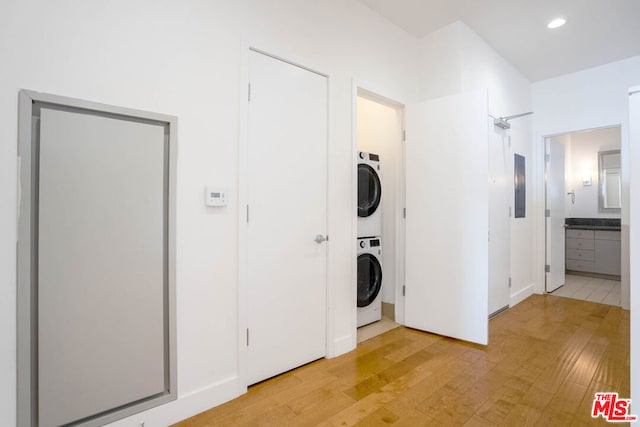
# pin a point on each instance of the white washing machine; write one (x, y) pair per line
(369, 195)
(369, 280)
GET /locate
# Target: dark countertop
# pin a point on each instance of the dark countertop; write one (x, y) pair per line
(610, 224)
(593, 227)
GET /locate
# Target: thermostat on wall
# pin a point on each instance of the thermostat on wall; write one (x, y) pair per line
(216, 196)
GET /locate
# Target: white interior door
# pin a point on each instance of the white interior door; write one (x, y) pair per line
(287, 217)
(555, 216)
(448, 216)
(500, 196)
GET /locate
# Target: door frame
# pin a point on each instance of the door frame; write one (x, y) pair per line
(510, 207)
(546, 206)
(541, 195)
(243, 197)
(369, 91)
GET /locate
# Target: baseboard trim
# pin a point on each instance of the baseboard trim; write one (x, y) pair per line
(343, 345)
(521, 295)
(187, 405)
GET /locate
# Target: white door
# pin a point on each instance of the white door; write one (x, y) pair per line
(500, 197)
(287, 217)
(447, 220)
(555, 215)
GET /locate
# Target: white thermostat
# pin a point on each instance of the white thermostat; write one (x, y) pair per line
(215, 196)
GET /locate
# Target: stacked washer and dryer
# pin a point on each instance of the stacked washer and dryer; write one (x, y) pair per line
(369, 239)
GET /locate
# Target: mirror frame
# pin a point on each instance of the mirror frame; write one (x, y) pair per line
(601, 188)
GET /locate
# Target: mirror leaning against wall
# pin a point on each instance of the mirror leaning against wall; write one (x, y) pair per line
(610, 191)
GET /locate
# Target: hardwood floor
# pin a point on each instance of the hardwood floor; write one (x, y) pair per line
(547, 358)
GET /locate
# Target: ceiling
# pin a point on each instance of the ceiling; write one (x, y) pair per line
(597, 31)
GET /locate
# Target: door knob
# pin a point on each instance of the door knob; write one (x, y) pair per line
(320, 238)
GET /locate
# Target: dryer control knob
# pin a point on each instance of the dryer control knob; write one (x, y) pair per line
(362, 244)
(361, 154)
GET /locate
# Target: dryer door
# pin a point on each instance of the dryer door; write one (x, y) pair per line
(369, 190)
(369, 279)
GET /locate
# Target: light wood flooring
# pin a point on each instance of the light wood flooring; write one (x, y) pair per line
(603, 291)
(547, 358)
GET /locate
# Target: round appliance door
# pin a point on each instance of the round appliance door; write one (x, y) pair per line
(369, 190)
(369, 279)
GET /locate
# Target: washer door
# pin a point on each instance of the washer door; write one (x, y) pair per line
(369, 190)
(369, 279)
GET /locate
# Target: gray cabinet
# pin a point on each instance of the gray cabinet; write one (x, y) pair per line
(593, 251)
(607, 252)
(579, 250)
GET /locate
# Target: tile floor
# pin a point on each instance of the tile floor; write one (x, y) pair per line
(376, 328)
(592, 289)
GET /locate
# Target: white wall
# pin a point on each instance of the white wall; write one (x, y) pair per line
(588, 99)
(380, 131)
(455, 59)
(185, 58)
(581, 160)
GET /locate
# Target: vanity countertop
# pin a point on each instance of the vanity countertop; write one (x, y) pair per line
(593, 227)
(610, 224)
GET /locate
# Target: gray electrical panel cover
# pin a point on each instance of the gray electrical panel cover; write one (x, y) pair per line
(96, 261)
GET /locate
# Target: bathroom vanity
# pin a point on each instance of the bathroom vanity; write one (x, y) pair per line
(593, 246)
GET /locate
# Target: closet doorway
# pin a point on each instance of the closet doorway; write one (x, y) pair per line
(380, 130)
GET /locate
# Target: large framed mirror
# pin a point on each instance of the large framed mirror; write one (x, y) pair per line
(610, 181)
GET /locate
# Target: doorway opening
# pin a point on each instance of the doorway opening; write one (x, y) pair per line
(379, 134)
(441, 245)
(583, 204)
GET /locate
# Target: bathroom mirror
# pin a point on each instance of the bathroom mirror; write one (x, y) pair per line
(610, 181)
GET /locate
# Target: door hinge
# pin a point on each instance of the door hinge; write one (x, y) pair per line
(247, 337)
(547, 213)
(249, 93)
(547, 157)
(247, 214)
(547, 268)
(509, 282)
(404, 290)
(404, 212)
(509, 211)
(404, 135)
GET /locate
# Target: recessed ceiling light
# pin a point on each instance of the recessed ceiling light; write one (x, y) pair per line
(558, 22)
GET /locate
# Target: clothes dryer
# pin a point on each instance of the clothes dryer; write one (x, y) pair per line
(369, 195)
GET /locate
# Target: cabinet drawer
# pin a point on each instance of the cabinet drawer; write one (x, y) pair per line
(572, 264)
(580, 255)
(580, 243)
(607, 235)
(579, 234)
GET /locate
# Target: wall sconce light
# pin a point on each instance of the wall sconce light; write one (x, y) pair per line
(586, 181)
